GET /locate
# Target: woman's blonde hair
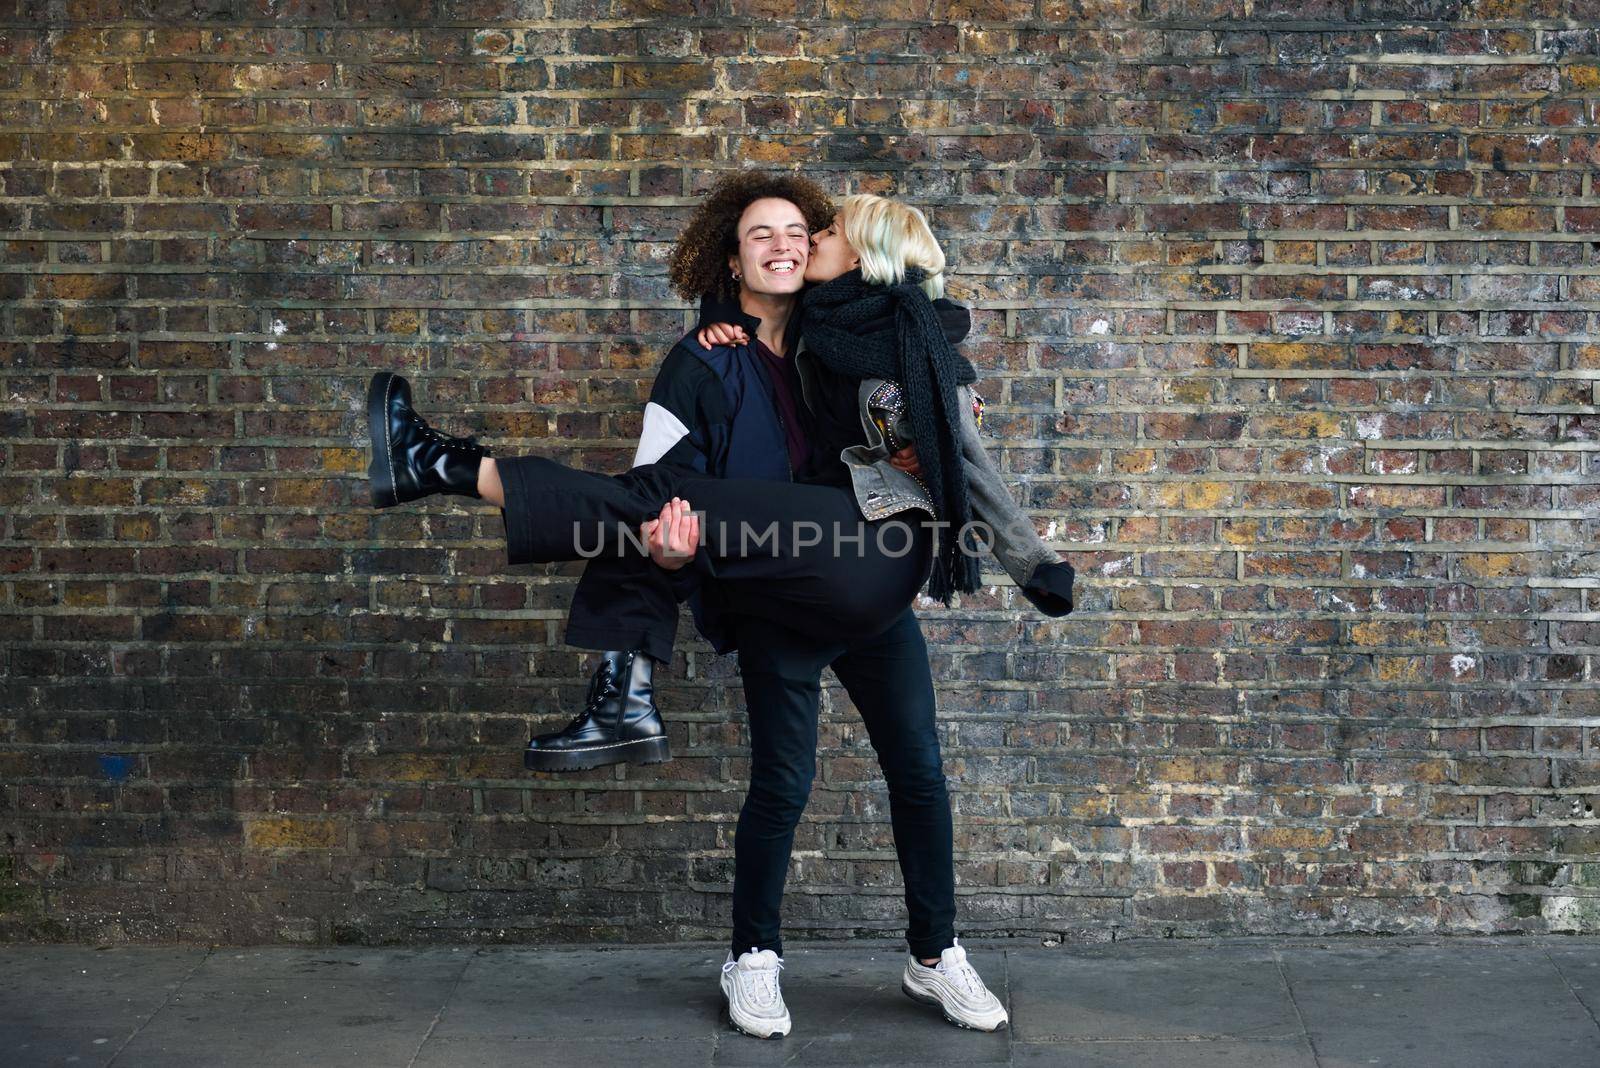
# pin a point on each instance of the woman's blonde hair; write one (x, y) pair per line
(889, 237)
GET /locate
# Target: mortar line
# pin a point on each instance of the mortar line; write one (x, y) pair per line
(1277, 960)
(861, 1006)
(434, 1023)
(162, 1007)
(1011, 1015)
(1545, 949)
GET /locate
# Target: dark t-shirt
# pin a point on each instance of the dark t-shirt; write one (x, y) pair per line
(786, 391)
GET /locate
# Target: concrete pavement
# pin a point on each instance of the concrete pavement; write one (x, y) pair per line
(1239, 1003)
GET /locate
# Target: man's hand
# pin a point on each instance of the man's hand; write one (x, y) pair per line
(672, 536)
(722, 334)
(906, 460)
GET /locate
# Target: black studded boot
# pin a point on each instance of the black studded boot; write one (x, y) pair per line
(619, 722)
(410, 459)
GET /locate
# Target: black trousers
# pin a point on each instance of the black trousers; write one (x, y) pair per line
(797, 554)
(888, 678)
(821, 587)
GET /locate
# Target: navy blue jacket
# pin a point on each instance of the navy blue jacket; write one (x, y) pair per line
(713, 410)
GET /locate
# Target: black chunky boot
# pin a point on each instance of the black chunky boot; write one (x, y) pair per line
(410, 459)
(619, 721)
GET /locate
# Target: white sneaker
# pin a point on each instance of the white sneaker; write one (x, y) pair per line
(755, 1004)
(955, 987)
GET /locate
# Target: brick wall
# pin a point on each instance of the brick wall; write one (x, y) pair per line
(1286, 313)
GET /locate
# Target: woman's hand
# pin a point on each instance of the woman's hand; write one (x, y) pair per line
(906, 460)
(672, 536)
(722, 334)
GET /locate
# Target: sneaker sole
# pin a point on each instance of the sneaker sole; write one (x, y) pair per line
(929, 999)
(639, 751)
(380, 473)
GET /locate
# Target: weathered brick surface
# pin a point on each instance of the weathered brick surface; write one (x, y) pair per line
(1286, 313)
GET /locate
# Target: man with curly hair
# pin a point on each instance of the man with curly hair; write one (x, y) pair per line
(729, 412)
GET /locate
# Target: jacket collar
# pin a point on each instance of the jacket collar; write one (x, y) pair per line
(716, 310)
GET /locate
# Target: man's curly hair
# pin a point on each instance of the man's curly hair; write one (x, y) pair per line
(700, 258)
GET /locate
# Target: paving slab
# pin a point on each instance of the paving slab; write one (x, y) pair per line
(584, 993)
(336, 964)
(1221, 992)
(1486, 1007)
(565, 1053)
(292, 1023)
(1579, 965)
(79, 1005)
(1492, 961)
(1215, 1053)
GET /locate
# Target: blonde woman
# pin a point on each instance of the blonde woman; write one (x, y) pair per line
(864, 321)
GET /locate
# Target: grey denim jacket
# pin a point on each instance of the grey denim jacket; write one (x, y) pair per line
(882, 490)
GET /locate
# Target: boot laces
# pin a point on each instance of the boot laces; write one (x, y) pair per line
(449, 442)
(601, 687)
(762, 978)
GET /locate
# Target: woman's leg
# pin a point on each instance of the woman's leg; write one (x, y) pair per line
(624, 603)
(891, 683)
(782, 673)
(799, 554)
(843, 589)
(489, 487)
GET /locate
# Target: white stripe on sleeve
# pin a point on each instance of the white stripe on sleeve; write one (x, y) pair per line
(662, 430)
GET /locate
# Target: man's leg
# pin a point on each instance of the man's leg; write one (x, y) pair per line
(891, 683)
(782, 674)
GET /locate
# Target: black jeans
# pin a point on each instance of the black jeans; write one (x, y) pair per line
(889, 680)
(827, 588)
(798, 554)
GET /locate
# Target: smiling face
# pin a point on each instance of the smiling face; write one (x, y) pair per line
(774, 247)
(831, 254)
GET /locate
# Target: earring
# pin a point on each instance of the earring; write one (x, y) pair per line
(737, 276)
